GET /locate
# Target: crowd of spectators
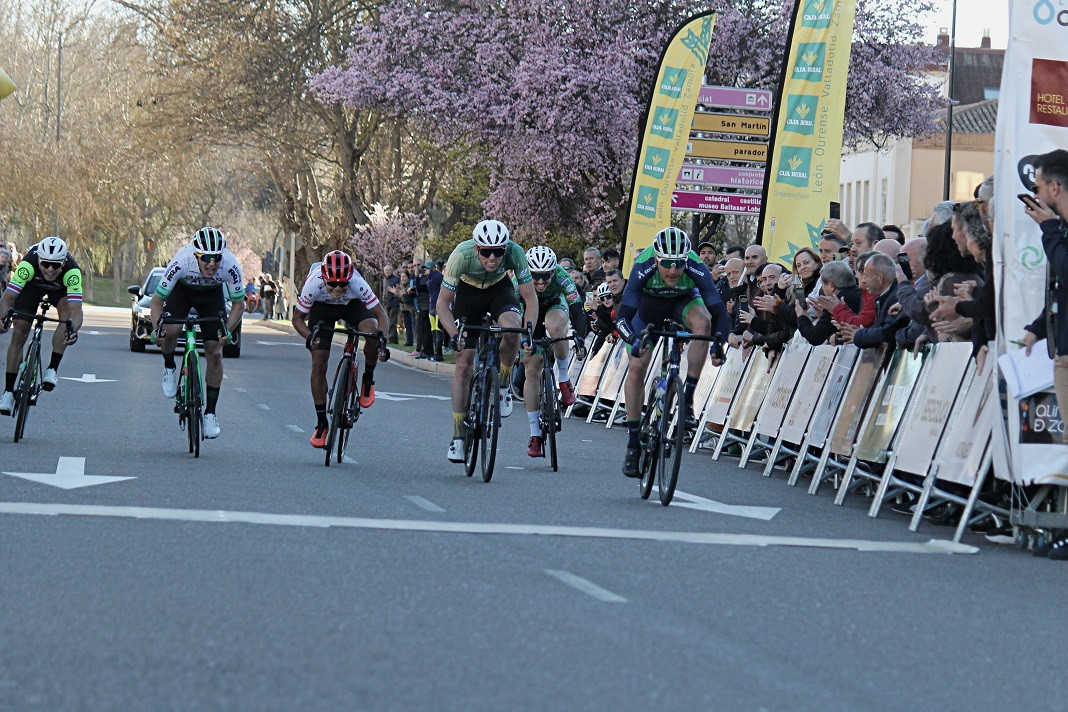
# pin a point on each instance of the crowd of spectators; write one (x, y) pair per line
(269, 297)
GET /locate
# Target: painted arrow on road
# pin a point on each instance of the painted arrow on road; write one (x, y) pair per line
(409, 396)
(692, 501)
(88, 378)
(69, 474)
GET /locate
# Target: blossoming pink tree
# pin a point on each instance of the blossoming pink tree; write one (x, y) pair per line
(388, 237)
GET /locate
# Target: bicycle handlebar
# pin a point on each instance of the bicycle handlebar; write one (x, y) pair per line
(190, 321)
(27, 316)
(681, 335)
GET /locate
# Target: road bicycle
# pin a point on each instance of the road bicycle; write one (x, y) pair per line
(483, 418)
(28, 381)
(663, 425)
(189, 399)
(344, 395)
(549, 415)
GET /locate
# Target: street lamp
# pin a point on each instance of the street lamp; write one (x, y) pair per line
(949, 109)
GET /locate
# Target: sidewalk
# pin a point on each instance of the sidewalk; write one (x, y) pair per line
(395, 354)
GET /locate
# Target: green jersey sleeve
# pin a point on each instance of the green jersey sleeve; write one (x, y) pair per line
(517, 262)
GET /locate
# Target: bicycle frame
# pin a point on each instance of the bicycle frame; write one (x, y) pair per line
(28, 385)
(343, 397)
(189, 400)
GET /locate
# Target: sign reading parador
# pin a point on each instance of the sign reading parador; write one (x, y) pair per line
(6, 85)
(666, 132)
(805, 151)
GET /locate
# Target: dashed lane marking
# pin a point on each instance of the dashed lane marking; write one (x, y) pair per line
(587, 587)
(423, 503)
(295, 429)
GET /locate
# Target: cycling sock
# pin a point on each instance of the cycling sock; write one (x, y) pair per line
(9, 381)
(562, 367)
(168, 360)
(535, 426)
(688, 391)
(320, 416)
(53, 363)
(633, 439)
(458, 425)
(213, 398)
(506, 377)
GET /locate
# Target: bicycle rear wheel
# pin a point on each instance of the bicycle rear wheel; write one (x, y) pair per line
(352, 402)
(672, 435)
(549, 415)
(472, 428)
(491, 414)
(650, 438)
(24, 389)
(337, 405)
(193, 407)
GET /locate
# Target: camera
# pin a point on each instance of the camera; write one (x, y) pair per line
(903, 260)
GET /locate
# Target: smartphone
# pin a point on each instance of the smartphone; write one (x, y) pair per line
(1028, 200)
(836, 210)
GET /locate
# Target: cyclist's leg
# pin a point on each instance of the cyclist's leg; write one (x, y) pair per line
(507, 312)
(320, 356)
(26, 302)
(557, 323)
(177, 305)
(59, 343)
(469, 305)
(697, 319)
(532, 365)
(210, 303)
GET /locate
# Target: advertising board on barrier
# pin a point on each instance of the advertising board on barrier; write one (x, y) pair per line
(887, 406)
(928, 416)
(967, 439)
(591, 375)
(808, 388)
(615, 371)
(855, 399)
(730, 375)
(783, 386)
(752, 391)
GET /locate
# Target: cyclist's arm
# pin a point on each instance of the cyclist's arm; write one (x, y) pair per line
(300, 323)
(578, 319)
(155, 310)
(702, 278)
(237, 308)
(628, 307)
(445, 317)
(76, 316)
(530, 299)
(6, 302)
(380, 315)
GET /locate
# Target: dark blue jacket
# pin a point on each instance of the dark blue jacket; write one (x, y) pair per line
(1055, 243)
(885, 326)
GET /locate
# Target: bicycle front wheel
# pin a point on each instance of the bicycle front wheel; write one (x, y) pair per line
(672, 434)
(471, 424)
(650, 438)
(193, 406)
(491, 414)
(23, 390)
(352, 402)
(338, 391)
(549, 415)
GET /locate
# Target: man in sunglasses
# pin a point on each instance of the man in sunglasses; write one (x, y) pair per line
(476, 282)
(47, 271)
(334, 291)
(668, 281)
(195, 279)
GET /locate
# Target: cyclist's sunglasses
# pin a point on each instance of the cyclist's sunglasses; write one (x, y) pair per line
(48, 264)
(541, 276)
(337, 285)
(605, 297)
(491, 251)
(208, 258)
(669, 264)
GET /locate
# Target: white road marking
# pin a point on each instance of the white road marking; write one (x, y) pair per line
(711, 505)
(389, 397)
(69, 474)
(280, 343)
(932, 546)
(512, 467)
(423, 503)
(349, 461)
(88, 378)
(295, 429)
(95, 333)
(263, 406)
(416, 395)
(587, 587)
(240, 390)
(587, 441)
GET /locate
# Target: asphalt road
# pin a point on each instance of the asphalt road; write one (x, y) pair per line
(256, 578)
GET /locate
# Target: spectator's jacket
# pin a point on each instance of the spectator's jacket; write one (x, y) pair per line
(771, 329)
(422, 292)
(819, 331)
(864, 318)
(726, 292)
(981, 310)
(604, 326)
(885, 326)
(1050, 325)
(389, 299)
(433, 282)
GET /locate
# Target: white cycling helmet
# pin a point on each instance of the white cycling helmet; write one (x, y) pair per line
(52, 249)
(209, 239)
(603, 290)
(671, 243)
(490, 233)
(541, 258)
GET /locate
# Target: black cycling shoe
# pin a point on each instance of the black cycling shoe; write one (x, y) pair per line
(631, 462)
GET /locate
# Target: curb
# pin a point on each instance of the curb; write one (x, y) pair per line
(401, 357)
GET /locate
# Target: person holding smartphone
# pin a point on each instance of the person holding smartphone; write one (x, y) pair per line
(1048, 207)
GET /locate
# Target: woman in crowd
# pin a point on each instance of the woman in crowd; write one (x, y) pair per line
(971, 301)
(406, 295)
(838, 281)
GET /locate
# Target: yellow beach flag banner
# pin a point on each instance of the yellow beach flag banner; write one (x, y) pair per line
(6, 85)
(805, 150)
(665, 132)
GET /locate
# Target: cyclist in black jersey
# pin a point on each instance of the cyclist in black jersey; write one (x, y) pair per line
(668, 281)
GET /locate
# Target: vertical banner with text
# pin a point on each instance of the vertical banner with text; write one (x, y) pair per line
(805, 151)
(1032, 119)
(665, 133)
(6, 85)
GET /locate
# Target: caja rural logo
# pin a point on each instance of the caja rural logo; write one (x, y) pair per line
(1046, 12)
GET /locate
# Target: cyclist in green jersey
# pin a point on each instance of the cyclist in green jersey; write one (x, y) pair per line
(559, 309)
(476, 282)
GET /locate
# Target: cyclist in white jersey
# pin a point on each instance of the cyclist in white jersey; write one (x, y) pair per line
(195, 279)
(335, 290)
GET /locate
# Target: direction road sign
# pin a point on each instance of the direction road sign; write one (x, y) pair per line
(729, 203)
(731, 123)
(738, 151)
(722, 176)
(735, 98)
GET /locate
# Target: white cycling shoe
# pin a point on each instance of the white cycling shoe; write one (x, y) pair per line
(49, 379)
(210, 425)
(506, 402)
(170, 382)
(7, 403)
(456, 450)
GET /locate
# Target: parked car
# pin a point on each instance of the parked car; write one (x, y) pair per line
(141, 326)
